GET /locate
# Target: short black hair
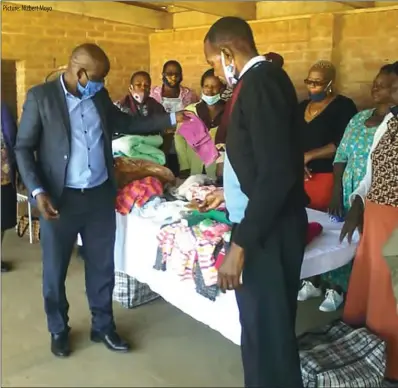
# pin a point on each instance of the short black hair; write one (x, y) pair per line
(275, 58)
(207, 74)
(390, 68)
(229, 29)
(142, 73)
(174, 63)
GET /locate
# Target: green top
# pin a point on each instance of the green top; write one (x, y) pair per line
(187, 157)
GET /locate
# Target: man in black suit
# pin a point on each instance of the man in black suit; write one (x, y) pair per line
(69, 123)
(265, 198)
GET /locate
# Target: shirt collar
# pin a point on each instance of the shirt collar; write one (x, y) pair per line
(61, 78)
(254, 61)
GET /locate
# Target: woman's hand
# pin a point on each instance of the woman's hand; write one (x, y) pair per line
(183, 116)
(212, 201)
(336, 204)
(307, 174)
(307, 158)
(307, 171)
(354, 220)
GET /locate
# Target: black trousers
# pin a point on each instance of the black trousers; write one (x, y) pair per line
(267, 305)
(92, 214)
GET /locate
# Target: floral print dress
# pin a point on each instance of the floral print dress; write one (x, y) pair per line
(353, 150)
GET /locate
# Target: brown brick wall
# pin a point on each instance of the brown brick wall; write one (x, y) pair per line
(358, 42)
(366, 41)
(42, 41)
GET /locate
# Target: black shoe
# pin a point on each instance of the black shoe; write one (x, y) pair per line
(111, 340)
(5, 267)
(60, 344)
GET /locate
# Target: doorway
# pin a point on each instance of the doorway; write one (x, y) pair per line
(9, 85)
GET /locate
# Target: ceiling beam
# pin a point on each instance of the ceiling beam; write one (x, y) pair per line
(110, 10)
(243, 9)
(359, 4)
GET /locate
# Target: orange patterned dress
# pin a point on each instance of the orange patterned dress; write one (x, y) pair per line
(370, 297)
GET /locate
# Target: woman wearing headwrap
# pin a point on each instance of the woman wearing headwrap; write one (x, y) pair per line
(323, 118)
(174, 97)
(374, 211)
(350, 164)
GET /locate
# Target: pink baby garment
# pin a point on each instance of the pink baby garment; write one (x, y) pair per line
(198, 138)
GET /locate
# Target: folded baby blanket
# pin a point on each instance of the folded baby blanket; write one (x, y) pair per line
(140, 147)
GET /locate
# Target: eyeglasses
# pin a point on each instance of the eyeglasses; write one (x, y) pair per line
(314, 83)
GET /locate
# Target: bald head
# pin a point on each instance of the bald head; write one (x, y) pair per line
(90, 53)
(88, 62)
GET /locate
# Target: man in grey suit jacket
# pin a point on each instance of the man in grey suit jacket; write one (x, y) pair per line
(69, 123)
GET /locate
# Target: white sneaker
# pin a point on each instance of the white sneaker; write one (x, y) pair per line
(308, 291)
(332, 302)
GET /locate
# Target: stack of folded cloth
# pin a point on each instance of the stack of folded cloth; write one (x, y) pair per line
(140, 147)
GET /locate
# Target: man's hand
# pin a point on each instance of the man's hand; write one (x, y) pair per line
(230, 271)
(212, 201)
(354, 220)
(45, 207)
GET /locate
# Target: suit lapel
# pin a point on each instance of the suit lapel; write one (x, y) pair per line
(98, 102)
(61, 105)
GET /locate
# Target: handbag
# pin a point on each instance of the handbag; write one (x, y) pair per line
(23, 228)
(339, 356)
(131, 293)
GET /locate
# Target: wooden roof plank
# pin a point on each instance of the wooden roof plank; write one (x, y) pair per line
(111, 11)
(243, 9)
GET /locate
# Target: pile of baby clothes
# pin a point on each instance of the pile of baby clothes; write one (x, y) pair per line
(137, 194)
(189, 253)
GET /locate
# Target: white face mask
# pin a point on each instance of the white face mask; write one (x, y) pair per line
(229, 71)
(138, 97)
(211, 100)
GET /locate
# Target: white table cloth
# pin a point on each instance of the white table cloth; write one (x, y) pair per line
(135, 254)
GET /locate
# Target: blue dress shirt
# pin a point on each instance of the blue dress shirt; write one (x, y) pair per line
(235, 200)
(86, 166)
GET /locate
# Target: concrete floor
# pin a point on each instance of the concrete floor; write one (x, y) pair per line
(170, 348)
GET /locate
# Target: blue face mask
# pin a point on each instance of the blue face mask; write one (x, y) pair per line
(316, 97)
(92, 88)
(211, 100)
